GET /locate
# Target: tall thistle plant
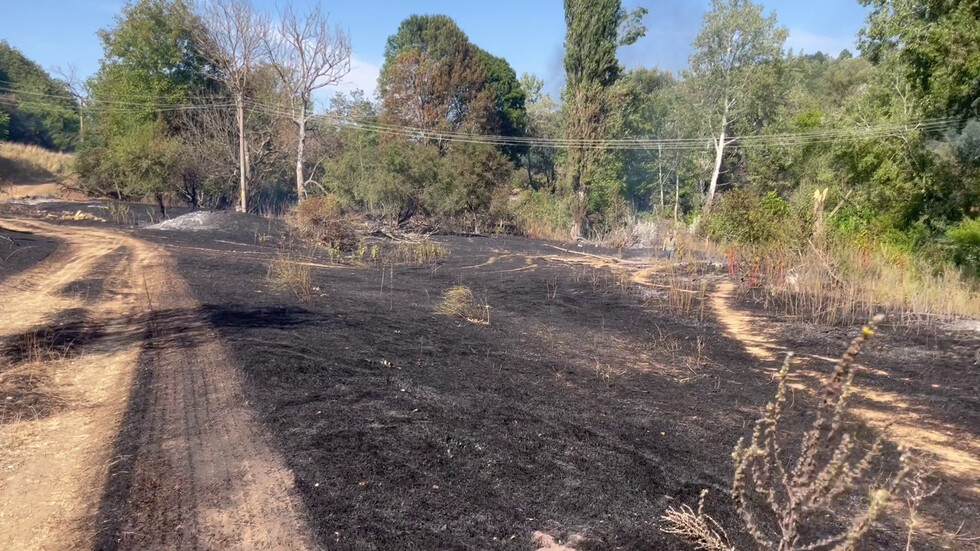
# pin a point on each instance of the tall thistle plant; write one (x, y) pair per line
(782, 503)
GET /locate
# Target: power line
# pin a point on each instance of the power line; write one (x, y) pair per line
(116, 109)
(94, 103)
(828, 135)
(758, 140)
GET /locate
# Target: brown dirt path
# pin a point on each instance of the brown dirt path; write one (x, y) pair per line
(954, 454)
(53, 466)
(199, 473)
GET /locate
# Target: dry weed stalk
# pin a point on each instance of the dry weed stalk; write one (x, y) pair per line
(782, 506)
(917, 492)
(605, 373)
(696, 527)
(552, 285)
(418, 253)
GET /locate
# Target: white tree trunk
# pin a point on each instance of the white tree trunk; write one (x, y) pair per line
(242, 161)
(660, 177)
(300, 152)
(719, 153)
(300, 148)
(677, 194)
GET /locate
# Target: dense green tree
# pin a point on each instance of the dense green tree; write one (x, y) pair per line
(912, 189)
(4, 125)
(37, 109)
(510, 99)
(935, 48)
(594, 29)
(812, 92)
(648, 170)
(542, 122)
(151, 62)
(469, 174)
(398, 178)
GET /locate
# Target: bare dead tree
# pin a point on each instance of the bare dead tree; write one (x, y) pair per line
(211, 153)
(76, 87)
(308, 54)
(232, 38)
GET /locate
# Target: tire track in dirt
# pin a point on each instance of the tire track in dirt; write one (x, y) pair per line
(155, 425)
(201, 474)
(53, 465)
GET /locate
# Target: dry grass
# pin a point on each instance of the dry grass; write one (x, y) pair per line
(415, 253)
(460, 301)
(621, 239)
(602, 279)
(323, 220)
(638, 233)
(605, 373)
(835, 284)
(544, 230)
(847, 285)
(797, 506)
(287, 275)
(30, 163)
(680, 291)
(27, 380)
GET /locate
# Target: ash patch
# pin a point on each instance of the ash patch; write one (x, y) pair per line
(192, 221)
(235, 226)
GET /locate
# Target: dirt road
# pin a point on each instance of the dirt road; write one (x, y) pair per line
(123, 424)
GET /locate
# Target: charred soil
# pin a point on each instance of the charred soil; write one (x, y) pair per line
(586, 406)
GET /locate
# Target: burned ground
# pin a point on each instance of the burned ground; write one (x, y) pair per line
(590, 403)
(584, 407)
(21, 250)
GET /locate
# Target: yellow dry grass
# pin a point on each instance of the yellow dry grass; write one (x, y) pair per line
(847, 284)
(21, 163)
(460, 301)
(955, 457)
(285, 274)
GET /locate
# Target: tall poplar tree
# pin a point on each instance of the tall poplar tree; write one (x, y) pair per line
(594, 29)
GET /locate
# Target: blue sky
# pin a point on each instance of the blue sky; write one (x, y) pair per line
(528, 33)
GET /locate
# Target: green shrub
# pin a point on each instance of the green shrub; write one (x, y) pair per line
(746, 218)
(964, 245)
(542, 215)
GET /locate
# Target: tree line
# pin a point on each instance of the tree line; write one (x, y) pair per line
(215, 106)
(34, 106)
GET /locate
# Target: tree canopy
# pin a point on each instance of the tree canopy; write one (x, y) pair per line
(434, 78)
(934, 46)
(151, 62)
(34, 107)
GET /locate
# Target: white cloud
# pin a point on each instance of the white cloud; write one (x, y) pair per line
(811, 43)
